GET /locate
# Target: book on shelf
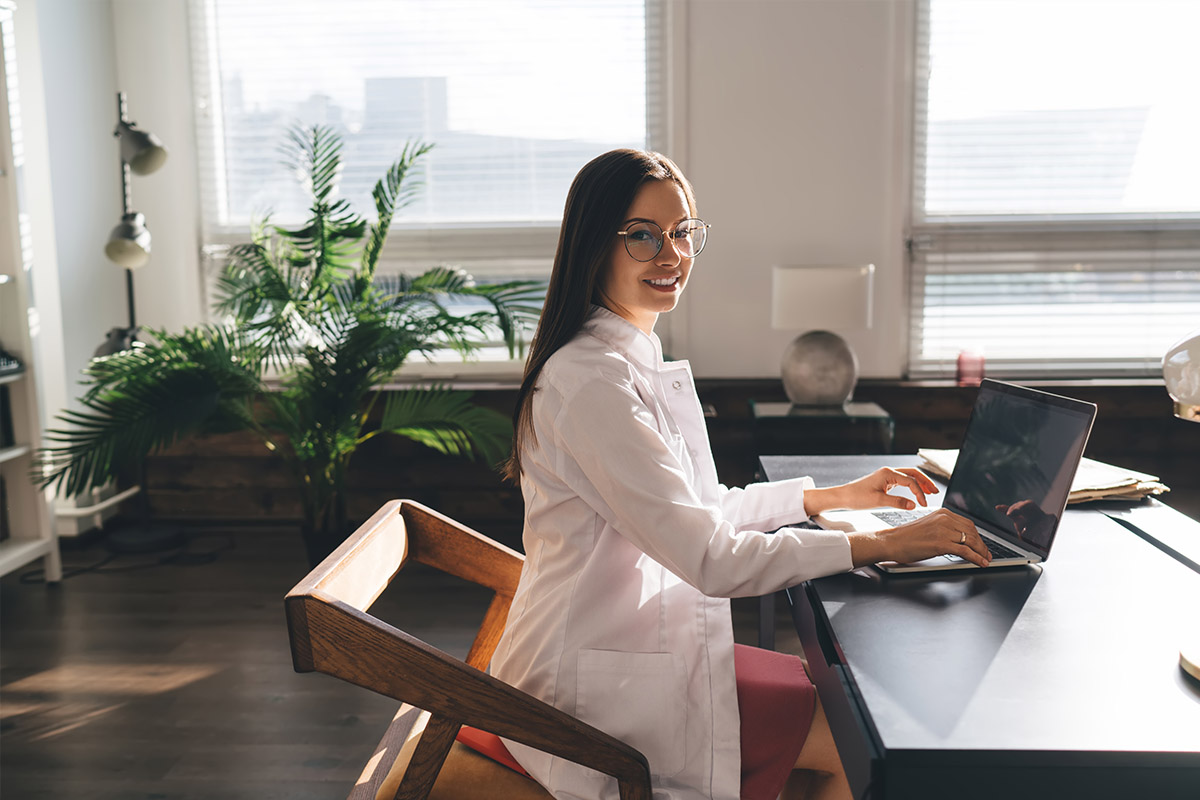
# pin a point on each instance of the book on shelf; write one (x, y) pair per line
(1094, 480)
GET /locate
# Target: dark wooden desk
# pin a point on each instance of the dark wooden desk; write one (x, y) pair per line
(1057, 681)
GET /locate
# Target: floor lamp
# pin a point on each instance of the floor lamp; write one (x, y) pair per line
(129, 246)
(129, 243)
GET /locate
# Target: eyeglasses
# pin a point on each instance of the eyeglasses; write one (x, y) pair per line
(644, 240)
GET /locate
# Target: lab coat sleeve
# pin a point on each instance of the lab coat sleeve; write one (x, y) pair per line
(610, 451)
(766, 506)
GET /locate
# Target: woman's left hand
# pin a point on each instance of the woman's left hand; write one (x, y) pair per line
(872, 491)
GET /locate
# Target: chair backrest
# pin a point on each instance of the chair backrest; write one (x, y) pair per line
(331, 632)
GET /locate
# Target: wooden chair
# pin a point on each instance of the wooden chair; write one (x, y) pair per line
(418, 757)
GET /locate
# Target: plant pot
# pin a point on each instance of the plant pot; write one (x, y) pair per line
(320, 541)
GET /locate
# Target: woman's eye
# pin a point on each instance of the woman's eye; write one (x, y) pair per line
(641, 236)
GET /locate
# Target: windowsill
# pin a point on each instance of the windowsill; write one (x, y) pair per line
(490, 369)
(946, 383)
(486, 371)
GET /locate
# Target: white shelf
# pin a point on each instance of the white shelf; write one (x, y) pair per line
(9, 453)
(16, 552)
(27, 513)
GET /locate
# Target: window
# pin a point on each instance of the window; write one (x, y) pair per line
(1056, 215)
(515, 95)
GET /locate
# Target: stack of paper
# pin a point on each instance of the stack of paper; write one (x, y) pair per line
(1094, 480)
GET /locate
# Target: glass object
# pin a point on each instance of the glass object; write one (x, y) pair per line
(819, 369)
(1181, 373)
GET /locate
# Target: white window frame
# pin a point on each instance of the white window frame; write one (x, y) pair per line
(932, 236)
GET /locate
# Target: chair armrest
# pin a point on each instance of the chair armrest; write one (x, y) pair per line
(347, 643)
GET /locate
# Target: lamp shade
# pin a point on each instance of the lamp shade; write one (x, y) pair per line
(1181, 373)
(142, 150)
(829, 297)
(129, 243)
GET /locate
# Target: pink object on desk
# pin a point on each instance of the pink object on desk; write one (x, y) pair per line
(970, 370)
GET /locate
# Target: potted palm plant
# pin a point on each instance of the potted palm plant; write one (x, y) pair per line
(310, 333)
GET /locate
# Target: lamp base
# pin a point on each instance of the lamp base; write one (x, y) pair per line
(819, 369)
(1189, 661)
(117, 340)
(1187, 411)
(144, 538)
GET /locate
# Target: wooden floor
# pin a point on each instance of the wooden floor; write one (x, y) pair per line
(173, 681)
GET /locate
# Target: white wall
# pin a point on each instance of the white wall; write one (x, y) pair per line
(154, 70)
(79, 75)
(788, 119)
(795, 144)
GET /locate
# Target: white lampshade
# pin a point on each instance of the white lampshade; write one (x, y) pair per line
(1181, 372)
(129, 243)
(838, 298)
(142, 150)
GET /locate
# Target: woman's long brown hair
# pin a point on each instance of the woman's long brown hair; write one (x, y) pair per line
(599, 198)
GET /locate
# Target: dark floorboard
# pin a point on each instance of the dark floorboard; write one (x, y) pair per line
(173, 681)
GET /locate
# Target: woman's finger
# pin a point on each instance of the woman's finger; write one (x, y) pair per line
(974, 544)
(968, 553)
(904, 478)
(927, 485)
(896, 501)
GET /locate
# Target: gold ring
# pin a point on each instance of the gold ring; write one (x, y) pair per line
(962, 537)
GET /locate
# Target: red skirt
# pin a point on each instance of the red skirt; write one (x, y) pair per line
(776, 702)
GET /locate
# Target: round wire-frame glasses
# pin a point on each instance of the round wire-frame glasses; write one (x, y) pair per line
(644, 239)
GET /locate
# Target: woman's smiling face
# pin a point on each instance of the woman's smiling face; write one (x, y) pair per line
(641, 290)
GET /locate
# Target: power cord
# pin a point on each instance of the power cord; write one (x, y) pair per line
(179, 556)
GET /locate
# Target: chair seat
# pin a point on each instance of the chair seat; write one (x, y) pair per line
(467, 775)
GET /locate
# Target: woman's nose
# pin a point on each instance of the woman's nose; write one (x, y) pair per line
(669, 253)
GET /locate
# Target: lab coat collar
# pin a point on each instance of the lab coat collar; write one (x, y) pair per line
(625, 337)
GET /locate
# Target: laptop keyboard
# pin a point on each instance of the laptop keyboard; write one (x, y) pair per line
(1000, 551)
(897, 518)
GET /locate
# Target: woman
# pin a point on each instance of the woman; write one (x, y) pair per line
(632, 547)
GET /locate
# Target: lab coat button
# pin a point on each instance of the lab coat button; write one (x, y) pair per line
(676, 385)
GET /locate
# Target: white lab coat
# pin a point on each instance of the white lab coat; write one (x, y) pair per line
(630, 542)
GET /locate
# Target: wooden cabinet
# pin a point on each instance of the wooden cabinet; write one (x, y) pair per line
(854, 428)
(26, 530)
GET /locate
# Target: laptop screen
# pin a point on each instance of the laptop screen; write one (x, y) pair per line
(1017, 461)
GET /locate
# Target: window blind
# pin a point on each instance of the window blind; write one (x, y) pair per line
(1105, 303)
(1056, 213)
(515, 95)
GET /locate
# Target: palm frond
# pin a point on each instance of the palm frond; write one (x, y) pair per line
(328, 243)
(119, 427)
(393, 191)
(517, 305)
(228, 355)
(446, 421)
(315, 155)
(255, 280)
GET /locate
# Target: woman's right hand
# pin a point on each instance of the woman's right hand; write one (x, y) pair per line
(939, 533)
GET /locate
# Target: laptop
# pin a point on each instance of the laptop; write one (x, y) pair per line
(1012, 477)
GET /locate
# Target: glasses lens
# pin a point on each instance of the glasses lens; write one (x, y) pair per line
(643, 240)
(690, 236)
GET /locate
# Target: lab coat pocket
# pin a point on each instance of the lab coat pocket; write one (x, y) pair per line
(640, 698)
